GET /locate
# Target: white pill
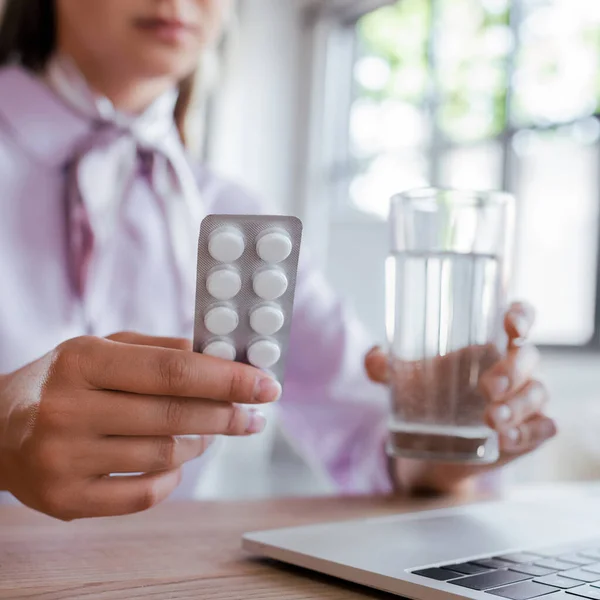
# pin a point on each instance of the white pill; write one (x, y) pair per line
(266, 320)
(226, 244)
(270, 284)
(221, 320)
(264, 354)
(220, 349)
(274, 247)
(224, 284)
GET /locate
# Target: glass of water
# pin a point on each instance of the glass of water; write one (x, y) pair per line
(447, 279)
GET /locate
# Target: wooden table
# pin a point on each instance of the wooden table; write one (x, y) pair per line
(176, 551)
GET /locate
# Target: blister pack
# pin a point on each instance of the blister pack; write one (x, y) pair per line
(247, 267)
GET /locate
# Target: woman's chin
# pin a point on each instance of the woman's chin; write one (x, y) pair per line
(167, 65)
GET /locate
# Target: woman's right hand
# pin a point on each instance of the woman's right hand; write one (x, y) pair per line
(95, 406)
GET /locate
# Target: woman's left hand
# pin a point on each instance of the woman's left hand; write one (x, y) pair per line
(517, 400)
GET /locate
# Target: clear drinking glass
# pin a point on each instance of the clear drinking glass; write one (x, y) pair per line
(447, 279)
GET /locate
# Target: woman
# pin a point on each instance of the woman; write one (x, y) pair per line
(99, 214)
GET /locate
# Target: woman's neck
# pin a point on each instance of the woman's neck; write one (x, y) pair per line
(132, 95)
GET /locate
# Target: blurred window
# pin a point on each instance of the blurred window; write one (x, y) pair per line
(487, 94)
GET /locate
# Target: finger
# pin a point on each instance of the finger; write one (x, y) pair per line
(380, 369)
(109, 365)
(519, 320)
(528, 436)
(527, 402)
(114, 496)
(377, 366)
(148, 454)
(128, 337)
(511, 373)
(137, 415)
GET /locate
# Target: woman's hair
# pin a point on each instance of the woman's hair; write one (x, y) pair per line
(28, 37)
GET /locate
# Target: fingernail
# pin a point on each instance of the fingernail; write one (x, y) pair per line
(498, 386)
(513, 435)
(256, 422)
(521, 324)
(550, 430)
(208, 441)
(267, 390)
(502, 414)
(528, 359)
(536, 397)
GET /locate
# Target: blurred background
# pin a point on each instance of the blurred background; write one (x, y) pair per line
(328, 107)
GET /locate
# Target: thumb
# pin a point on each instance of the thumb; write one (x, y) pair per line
(377, 365)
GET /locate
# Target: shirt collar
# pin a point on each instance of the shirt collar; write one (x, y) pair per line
(40, 121)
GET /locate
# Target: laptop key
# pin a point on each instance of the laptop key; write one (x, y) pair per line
(581, 575)
(468, 568)
(595, 568)
(532, 570)
(523, 591)
(493, 579)
(577, 559)
(554, 564)
(558, 581)
(520, 557)
(584, 592)
(593, 554)
(437, 574)
(554, 551)
(494, 563)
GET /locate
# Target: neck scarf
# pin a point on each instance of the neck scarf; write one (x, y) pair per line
(121, 148)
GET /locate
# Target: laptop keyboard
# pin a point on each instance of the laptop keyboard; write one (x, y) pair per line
(570, 574)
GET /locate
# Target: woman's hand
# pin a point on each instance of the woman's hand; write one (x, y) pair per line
(517, 399)
(95, 407)
(516, 409)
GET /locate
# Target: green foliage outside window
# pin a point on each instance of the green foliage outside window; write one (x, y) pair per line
(557, 64)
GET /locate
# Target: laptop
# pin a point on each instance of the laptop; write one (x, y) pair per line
(545, 545)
